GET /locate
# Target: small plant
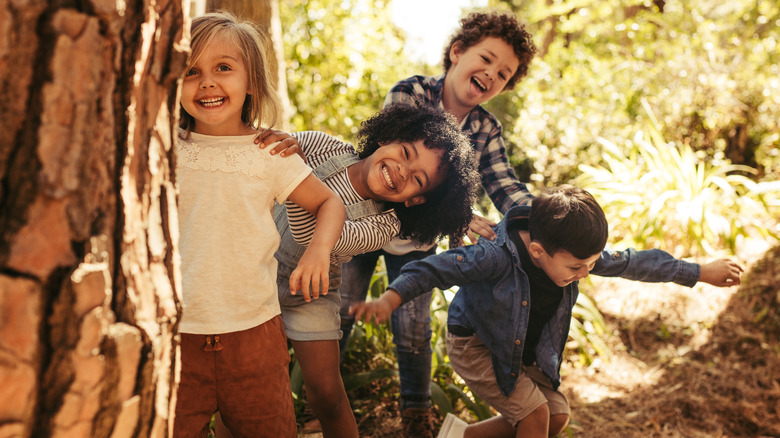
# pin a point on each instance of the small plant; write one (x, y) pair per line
(369, 368)
(587, 331)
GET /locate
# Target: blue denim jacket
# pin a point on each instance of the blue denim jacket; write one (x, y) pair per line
(494, 296)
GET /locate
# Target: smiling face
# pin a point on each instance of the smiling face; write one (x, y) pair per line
(400, 172)
(215, 88)
(563, 268)
(477, 74)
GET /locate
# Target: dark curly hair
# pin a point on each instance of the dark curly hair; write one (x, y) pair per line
(479, 25)
(447, 208)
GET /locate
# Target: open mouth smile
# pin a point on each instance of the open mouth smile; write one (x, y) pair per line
(475, 80)
(386, 174)
(212, 102)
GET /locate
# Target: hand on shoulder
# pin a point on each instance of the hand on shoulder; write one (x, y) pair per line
(283, 143)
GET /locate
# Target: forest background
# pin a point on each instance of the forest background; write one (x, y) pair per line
(667, 111)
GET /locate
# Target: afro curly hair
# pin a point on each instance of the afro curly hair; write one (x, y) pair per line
(480, 25)
(447, 208)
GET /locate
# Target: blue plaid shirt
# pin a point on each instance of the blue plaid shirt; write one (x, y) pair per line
(498, 178)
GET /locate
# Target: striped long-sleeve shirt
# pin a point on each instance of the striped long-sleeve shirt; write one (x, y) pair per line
(363, 235)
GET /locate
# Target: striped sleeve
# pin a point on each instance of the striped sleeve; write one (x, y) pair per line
(360, 236)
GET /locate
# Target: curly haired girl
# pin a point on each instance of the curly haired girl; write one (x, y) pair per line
(413, 174)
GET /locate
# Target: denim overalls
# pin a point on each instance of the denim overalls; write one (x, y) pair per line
(308, 321)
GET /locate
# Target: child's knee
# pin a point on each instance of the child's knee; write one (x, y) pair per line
(558, 423)
(324, 392)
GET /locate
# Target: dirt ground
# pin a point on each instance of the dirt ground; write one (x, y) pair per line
(700, 362)
(685, 362)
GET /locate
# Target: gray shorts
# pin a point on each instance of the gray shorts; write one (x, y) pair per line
(317, 320)
(471, 359)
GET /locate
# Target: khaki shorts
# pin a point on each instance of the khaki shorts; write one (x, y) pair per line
(471, 359)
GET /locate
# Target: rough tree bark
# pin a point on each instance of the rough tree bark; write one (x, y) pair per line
(266, 14)
(88, 268)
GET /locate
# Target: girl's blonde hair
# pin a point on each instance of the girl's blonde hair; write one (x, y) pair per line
(262, 105)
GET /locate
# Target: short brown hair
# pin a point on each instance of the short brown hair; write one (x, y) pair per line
(568, 218)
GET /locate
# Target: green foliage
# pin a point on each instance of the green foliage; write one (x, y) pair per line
(587, 331)
(369, 367)
(708, 69)
(342, 58)
(662, 195)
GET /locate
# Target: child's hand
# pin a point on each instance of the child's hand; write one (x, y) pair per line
(286, 144)
(479, 227)
(379, 310)
(721, 273)
(311, 274)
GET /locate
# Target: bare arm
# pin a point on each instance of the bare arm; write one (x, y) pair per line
(312, 270)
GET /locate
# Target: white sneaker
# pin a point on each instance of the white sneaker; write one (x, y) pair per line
(453, 427)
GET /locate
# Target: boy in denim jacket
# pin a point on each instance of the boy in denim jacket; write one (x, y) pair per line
(509, 321)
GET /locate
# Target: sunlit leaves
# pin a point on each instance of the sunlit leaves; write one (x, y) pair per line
(342, 58)
(709, 69)
(662, 195)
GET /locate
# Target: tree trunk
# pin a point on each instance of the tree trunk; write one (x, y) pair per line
(88, 264)
(266, 14)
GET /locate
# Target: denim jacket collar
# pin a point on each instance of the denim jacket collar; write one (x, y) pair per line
(518, 212)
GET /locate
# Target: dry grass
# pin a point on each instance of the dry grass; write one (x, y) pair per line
(701, 362)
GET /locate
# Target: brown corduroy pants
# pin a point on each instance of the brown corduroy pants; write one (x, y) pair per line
(243, 375)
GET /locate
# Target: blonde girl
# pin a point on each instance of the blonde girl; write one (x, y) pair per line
(234, 357)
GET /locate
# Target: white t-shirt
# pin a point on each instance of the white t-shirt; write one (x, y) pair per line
(227, 188)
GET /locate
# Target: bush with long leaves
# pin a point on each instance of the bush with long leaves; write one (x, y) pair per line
(665, 195)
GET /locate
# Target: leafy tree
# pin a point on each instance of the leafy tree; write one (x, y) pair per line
(342, 58)
(708, 69)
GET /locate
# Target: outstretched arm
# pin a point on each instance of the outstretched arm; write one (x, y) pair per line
(721, 273)
(655, 265)
(312, 270)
